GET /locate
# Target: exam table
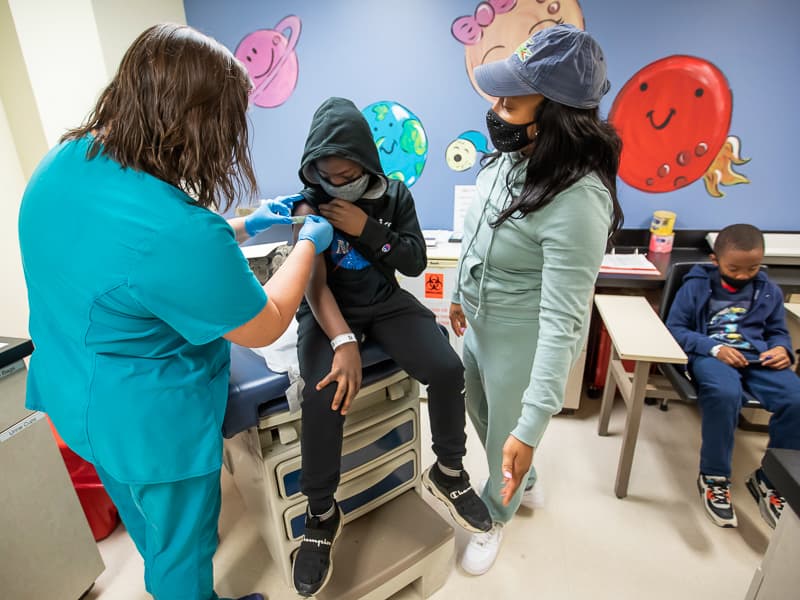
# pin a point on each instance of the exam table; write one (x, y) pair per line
(392, 539)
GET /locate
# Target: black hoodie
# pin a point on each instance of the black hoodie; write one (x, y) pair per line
(361, 270)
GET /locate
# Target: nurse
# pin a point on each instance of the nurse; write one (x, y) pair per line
(137, 287)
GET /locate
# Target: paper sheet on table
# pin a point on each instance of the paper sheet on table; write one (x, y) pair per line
(260, 250)
(634, 264)
(281, 357)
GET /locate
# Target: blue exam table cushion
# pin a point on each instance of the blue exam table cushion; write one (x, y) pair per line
(255, 392)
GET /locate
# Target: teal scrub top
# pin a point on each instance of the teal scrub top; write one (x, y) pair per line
(130, 286)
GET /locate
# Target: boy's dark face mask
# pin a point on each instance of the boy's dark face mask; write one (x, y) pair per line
(734, 282)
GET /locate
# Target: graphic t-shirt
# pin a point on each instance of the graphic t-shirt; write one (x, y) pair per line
(726, 310)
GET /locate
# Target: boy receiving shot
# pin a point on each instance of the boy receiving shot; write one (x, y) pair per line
(353, 292)
(729, 319)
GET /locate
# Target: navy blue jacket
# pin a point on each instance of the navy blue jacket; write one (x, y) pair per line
(764, 325)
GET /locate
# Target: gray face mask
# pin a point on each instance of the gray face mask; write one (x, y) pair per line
(350, 191)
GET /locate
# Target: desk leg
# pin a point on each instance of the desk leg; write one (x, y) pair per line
(609, 391)
(634, 417)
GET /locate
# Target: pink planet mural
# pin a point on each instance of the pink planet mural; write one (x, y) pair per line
(269, 56)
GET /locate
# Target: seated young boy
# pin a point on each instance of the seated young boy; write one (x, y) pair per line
(729, 319)
(353, 292)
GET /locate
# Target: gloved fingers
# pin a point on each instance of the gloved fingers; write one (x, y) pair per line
(289, 200)
(278, 208)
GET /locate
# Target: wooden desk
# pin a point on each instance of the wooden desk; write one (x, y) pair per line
(637, 334)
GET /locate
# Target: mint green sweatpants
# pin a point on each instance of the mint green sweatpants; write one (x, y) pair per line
(498, 357)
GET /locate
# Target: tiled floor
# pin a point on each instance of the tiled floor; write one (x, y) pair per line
(584, 544)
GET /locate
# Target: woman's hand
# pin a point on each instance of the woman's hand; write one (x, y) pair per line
(346, 372)
(457, 319)
(517, 459)
(317, 231)
(271, 212)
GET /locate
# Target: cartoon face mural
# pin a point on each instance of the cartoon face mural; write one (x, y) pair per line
(673, 117)
(400, 138)
(500, 26)
(271, 61)
(462, 153)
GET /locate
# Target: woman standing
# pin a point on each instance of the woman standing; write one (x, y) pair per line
(136, 287)
(533, 243)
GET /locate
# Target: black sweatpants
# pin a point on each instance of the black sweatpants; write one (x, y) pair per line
(407, 331)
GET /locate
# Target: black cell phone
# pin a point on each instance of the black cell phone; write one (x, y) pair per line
(754, 361)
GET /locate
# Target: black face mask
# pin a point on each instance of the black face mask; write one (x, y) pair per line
(735, 283)
(506, 136)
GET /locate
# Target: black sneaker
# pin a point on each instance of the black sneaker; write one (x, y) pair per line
(770, 502)
(313, 562)
(464, 504)
(716, 493)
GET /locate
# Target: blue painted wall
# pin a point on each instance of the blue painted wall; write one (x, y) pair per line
(403, 51)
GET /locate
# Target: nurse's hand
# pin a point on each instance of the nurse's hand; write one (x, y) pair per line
(517, 459)
(289, 201)
(317, 231)
(457, 319)
(346, 372)
(271, 212)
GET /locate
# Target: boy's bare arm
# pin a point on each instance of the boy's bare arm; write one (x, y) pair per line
(318, 294)
(346, 366)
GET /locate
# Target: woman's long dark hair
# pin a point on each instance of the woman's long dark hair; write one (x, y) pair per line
(571, 143)
(176, 109)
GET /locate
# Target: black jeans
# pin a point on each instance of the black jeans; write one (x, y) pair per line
(408, 332)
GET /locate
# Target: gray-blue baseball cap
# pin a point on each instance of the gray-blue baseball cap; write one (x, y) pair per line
(562, 63)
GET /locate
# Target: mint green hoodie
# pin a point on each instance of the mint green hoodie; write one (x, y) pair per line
(545, 263)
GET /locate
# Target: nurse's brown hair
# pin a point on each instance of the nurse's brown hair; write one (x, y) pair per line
(176, 109)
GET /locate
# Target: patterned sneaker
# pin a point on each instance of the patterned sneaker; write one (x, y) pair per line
(770, 502)
(716, 493)
(313, 561)
(457, 494)
(481, 552)
(532, 497)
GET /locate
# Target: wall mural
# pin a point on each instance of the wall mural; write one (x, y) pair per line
(462, 152)
(400, 138)
(271, 60)
(674, 117)
(500, 26)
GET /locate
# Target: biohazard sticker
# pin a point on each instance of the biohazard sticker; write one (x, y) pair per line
(434, 285)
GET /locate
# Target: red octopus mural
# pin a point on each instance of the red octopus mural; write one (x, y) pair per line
(674, 117)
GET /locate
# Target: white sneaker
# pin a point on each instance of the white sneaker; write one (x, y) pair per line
(532, 498)
(481, 552)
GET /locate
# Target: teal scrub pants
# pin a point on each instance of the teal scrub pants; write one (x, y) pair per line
(174, 527)
(498, 357)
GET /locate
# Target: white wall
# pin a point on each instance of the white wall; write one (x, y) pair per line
(61, 49)
(118, 24)
(55, 58)
(13, 299)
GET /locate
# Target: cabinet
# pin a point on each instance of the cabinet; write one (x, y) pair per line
(47, 549)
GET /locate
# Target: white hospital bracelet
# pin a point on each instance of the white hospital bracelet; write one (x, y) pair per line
(343, 338)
